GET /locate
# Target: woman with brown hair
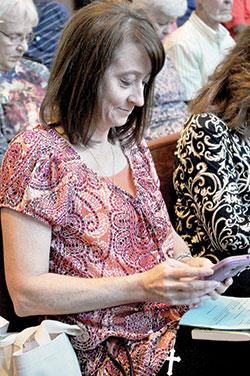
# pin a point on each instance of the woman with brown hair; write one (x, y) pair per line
(212, 172)
(87, 237)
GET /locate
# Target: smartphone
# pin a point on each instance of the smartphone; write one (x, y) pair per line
(229, 267)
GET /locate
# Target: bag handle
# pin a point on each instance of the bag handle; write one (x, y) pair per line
(54, 327)
(8, 340)
(42, 331)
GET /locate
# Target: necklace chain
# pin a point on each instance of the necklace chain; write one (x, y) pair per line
(112, 180)
(60, 130)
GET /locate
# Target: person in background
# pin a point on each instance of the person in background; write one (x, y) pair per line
(169, 110)
(52, 18)
(22, 82)
(191, 7)
(212, 170)
(198, 46)
(240, 17)
(86, 233)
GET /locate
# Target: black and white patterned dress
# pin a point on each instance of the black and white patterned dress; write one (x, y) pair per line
(212, 183)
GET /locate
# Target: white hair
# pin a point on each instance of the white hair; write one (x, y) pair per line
(172, 8)
(24, 10)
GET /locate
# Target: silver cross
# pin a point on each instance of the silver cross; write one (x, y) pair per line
(172, 359)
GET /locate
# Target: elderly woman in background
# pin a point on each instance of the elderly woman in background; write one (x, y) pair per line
(22, 81)
(169, 111)
(87, 237)
(212, 176)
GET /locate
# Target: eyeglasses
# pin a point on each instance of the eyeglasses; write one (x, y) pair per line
(19, 38)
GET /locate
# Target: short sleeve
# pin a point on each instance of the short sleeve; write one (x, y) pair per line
(34, 181)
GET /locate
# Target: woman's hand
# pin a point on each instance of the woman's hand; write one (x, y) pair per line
(179, 283)
(204, 262)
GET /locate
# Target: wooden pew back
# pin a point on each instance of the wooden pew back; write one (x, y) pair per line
(162, 150)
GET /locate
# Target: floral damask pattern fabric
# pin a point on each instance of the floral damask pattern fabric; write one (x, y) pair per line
(98, 230)
(212, 183)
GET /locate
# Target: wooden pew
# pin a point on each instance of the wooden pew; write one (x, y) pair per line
(162, 150)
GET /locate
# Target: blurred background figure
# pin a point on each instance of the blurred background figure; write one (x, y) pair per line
(69, 5)
(199, 45)
(52, 18)
(190, 9)
(22, 82)
(169, 111)
(212, 176)
(240, 17)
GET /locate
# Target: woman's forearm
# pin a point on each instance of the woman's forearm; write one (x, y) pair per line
(58, 294)
(36, 291)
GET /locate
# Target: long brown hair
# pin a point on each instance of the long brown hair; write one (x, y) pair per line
(227, 93)
(86, 49)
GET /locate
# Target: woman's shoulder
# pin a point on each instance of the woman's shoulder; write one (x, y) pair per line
(204, 130)
(38, 152)
(28, 66)
(207, 123)
(40, 131)
(41, 140)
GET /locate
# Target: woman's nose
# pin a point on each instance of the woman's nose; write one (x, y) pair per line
(167, 29)
(137, 97)
(23, 45)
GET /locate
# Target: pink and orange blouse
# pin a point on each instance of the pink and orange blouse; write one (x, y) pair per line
(98, 230)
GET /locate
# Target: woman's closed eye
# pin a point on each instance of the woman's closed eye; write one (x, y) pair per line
(126, 82)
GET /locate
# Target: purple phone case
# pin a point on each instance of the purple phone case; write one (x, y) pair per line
(229, 267)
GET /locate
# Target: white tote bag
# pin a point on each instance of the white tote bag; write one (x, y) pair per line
(6, 350)
(42, 350)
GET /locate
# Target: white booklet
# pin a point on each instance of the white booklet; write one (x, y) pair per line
(227, 313)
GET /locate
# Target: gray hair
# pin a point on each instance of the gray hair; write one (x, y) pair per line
(172, 8)
(24, 9)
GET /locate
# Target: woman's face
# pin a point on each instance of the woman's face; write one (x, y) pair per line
(12, 48)
(123, 86)
(162, 23)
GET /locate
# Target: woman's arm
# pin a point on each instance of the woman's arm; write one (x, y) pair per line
(36, 291)
(181, 249)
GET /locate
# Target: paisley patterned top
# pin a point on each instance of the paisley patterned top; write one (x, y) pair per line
(98, 230)
(212, 183)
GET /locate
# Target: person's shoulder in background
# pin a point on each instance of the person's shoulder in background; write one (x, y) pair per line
(52, 19)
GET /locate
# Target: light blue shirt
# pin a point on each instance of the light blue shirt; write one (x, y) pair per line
(196, 49)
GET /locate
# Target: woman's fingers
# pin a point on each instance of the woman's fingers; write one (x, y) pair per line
(174, 282)
(183, 271)
(177, 283)
(187, 298)
(222, 287)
